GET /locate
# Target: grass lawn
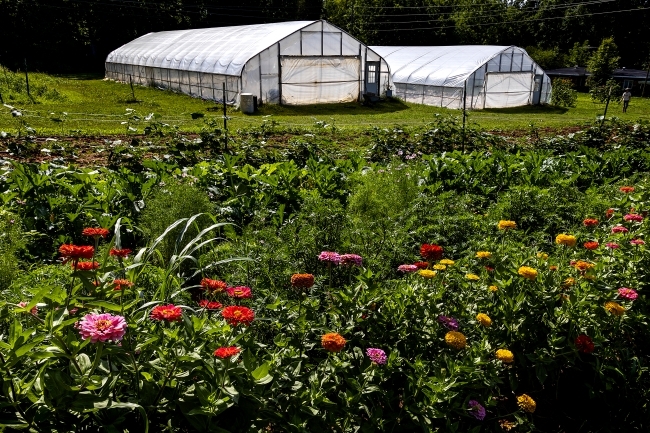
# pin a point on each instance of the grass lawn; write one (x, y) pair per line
(98, 107)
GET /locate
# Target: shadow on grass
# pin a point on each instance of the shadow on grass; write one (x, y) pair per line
(82, 76)
(528, 109)
(353, 108)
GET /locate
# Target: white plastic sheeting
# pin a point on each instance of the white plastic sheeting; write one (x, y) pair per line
(251, 59)
(488, 76)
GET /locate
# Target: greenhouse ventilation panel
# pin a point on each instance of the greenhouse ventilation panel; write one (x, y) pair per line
(485, 76)
(298, 62)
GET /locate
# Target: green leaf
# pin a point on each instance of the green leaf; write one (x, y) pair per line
(260, 371)
(103, 304)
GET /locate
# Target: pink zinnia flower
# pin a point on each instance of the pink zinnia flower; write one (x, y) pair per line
(612, 245)
(633, 217)
(330, 257)
(351, 260)
(619, 229)
(34, 309)
(637, 242)
(407, 268)
(377, 356)
(102, 327)
(626, 293)
(239, 292)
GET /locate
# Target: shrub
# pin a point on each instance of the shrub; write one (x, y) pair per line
(563, 94)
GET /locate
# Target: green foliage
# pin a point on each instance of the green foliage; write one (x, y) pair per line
(11, 243)
(547, 58)
(602, 63)
(563, 94)
(13, 87)
(168, 203)
(610, 90)
(578, 55)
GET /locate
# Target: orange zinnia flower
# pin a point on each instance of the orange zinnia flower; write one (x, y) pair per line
(590, 222)
(215, 286)
(121, 283)
(85, 266)
(95, 232)
(75, 252)
(304, 281)
(591, 245)
(333, 342)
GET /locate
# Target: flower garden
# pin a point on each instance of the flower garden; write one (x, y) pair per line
(480, 291)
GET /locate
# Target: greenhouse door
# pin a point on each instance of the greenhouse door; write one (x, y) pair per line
(319, 79)
(537, 89)
(372, 77)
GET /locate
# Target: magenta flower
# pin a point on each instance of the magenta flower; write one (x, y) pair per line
(407, 268)
(612, 245)
(330, 257)
(448, 322)
(351, 260)
(633, 217)
(619, 229)
(477, 410)
(637, 242)
(377, 356)
(626, 293)
(102, 327)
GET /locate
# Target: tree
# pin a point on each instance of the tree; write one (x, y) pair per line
(563, 94)
(602, 63)
(578, 55)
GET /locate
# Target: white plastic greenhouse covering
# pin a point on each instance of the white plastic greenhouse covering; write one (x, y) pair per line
(488, 76)
(298, 62)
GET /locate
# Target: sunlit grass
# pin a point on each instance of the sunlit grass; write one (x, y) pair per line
(98, 107)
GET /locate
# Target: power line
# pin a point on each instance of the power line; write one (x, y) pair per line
(510, 22)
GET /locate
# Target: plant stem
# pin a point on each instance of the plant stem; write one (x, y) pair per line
(162, 387)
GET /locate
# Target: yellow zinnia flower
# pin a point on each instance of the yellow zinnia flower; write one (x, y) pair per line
(484, 319)
(472, 277)
(439, 267)
(426, 273)
(526, 403)
(483, 254)
(542, 256)
(505, 356)
(568, 240)
(528, 272)
(446, 262)
(493, 288)
(569, 282)
(614, 308)
(456, 340)
(506, 225)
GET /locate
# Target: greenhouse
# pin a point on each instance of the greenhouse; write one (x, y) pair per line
(471, 76)
(298, 62)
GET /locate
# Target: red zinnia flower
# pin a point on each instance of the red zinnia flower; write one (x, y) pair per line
(304, 281)
(421, 265)
(431, 251)
(167, 313)
(236, 315)
(626, 189)
(591, 245)
(239, 292)
(590, 222)
(210, 305)
(124, 252)
(608, 213)
(95, 232)
(75, 252)
(584, 344)
(226, 352)
(85, 266)
(215, 286)
(489, 268)
(120, 284)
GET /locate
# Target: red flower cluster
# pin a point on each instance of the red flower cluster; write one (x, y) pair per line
(167, 313)
(210, 305)
(226, 352)
(303, 281)
(431, 252)
(584, 344)
(75, 252)
(95, 232)
(626, 189)
(122, 253)
(421, 265)
(590, 222)
(215, 286)
(85, 266)
(121, 283)
(236, 315)
(591, 245)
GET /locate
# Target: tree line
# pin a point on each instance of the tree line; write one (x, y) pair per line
(74, 35)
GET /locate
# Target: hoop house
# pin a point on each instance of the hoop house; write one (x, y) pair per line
(486, 76)
(298, 62)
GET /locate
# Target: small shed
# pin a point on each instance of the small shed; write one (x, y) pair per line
(471, 76)
(297, 62)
